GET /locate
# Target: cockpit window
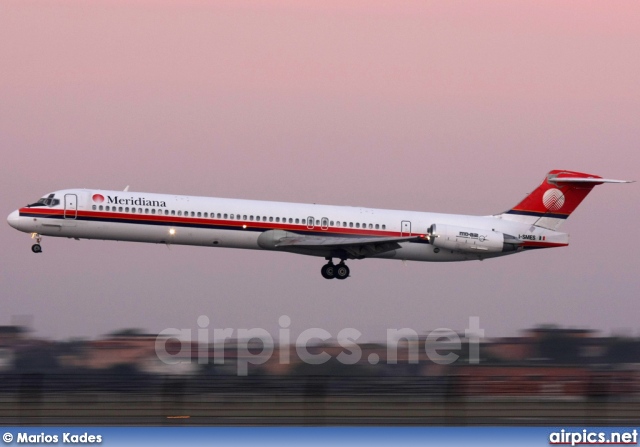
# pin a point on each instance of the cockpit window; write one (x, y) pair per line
(50, 200)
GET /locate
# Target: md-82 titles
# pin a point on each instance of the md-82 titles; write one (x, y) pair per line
(338, 233)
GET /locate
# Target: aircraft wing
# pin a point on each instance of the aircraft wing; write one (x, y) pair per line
(339, 242)
(355, 246)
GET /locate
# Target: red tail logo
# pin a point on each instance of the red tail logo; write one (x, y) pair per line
(555, 198)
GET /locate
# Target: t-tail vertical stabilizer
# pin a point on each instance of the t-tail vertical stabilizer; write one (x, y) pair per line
(549, 205)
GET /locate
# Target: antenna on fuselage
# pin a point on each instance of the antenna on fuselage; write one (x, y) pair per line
(126, 188)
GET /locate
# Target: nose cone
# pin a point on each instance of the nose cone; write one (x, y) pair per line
(14, 219)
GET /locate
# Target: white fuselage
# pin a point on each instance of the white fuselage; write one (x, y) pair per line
(235, 223)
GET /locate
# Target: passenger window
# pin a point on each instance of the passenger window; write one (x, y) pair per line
(126, 210)
(351, 224)
(264, 218)
(384, 227)
(120, 209)
(277, 219)
(106, 208)
(317, 222)
(331, 223)
(232, 216)
(146, 210)
(290, 220)
(357, 225)
(199, 214)
(377, 226)
(193, 214)
(225, 215)
(244, 217)
(133, 210)
(218, 215)
(270, 219)
(100, 208)
(93, 207)
(153, 210)
(250, 217)
(297, 220)
(173, 212)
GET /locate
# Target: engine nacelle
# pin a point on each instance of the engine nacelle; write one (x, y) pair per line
(470, 240)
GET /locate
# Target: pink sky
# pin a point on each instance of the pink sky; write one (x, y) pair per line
(438, 106)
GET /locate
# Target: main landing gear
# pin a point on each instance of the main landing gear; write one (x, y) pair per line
(36, 248)
(330, 271)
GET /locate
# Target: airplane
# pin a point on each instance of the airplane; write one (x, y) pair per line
(330, 232)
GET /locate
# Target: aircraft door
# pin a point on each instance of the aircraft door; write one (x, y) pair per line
(310, 222)
(325, 223)
(70, 206)
(405, 228)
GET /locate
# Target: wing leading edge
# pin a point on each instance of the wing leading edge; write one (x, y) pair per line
(356, 247)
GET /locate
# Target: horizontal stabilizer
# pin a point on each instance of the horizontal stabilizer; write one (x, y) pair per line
(588, 180)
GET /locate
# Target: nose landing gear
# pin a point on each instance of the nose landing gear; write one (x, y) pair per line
(36, 248)
(330, 271)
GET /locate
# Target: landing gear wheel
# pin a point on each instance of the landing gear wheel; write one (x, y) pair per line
(328, 271)
(36, 248)
(342, 271)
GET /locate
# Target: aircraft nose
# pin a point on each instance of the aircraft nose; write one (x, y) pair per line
(14, 218)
